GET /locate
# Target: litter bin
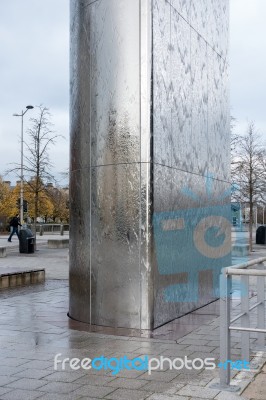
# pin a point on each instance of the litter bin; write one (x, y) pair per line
(26, 241)
(261, 235)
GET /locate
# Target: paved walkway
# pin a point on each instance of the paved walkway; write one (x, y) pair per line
(55, 261)
(34, 328)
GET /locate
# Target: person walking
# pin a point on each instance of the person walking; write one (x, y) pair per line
(14, 224)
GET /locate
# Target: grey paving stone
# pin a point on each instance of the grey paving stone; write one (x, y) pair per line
(87, 398)
(153, 340)
(126, 346)
(191, 373)
(198, 391)
(177, 353)
(21, 395)
(92, 371)
(228, 396)
(202, 355)
(65, 376)
(93, 391)
(128, 374)
(166, 397)
(4, 390)
(159, 376)
(206, 330)
(5, 380)
(10, 370)
(200, 348)
(215, 343)
(33, 355)
(127, 394)
(153, 345)
(142, 351)
(26, 384)
(161, 387)
(38, 364)
(33, 373)
(175, 347)
(196, 341)
(127, 383)
(199, 379)
(94, 380)
(59, 387)
(13, 362)
(131, 356)
(57, 396)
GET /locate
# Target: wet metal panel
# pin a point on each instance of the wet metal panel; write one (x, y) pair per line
(199, 109)
(182, 139)
(79, 246)
(191, 220)
(192, 235)
(218, 113)
(162, 91)
(115, 86)
(115, 296)
(183, 7)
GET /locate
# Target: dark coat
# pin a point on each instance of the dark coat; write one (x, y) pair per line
(15, 222)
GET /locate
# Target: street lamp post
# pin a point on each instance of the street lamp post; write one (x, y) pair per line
(21, 163)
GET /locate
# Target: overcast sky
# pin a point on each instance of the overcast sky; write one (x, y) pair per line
(248, 63)
(34, 51)
(34, 64)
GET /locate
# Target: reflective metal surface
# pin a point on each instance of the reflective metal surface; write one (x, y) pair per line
(149, 158)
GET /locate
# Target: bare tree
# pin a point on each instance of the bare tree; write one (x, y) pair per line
(37, 164)
(249, 170)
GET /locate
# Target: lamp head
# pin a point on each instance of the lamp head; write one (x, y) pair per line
(29, 107)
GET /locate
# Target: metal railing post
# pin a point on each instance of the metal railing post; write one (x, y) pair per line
(225, 345)
(261, 309)
(245, 318)
(61, 229)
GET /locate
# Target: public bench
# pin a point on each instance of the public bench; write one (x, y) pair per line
(58, 243)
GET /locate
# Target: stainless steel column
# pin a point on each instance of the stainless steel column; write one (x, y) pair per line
(110, 269)
(149, 158)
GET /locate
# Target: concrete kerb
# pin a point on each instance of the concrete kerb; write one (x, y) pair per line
(21, 278)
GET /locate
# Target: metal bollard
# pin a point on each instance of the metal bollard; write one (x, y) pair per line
(225, 346)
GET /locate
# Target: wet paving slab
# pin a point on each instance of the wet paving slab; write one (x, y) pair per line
(35, 328)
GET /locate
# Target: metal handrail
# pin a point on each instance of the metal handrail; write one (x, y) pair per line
(225, 313)
(245, 265)
(51, 228)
